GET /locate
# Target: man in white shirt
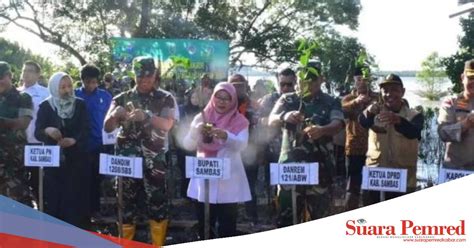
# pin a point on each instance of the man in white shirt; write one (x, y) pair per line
(30, 75)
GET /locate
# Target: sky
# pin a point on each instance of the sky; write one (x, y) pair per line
(402, 33)
(399, 33)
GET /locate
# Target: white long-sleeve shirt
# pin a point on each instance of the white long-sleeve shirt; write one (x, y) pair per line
(232, 190)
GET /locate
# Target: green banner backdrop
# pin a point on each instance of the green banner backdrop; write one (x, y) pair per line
(203, 56)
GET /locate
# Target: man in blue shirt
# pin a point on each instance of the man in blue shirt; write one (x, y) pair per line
(97, 102)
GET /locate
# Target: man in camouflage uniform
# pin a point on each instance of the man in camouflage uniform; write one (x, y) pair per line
(16, 112)
(307, 136)
(146, 115)
(456, 124)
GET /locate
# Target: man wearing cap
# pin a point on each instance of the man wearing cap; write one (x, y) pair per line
(395, 130)
(307, 137)
(16, 112)
(456, 123)
(110, 84)
(145, 115)
(356, 136)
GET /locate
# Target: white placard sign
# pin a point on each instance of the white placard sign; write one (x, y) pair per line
(42, 156)
(446, 175)
(384, 179)
(207, 168)
(294, 173)
(110, 138)
(121, 166)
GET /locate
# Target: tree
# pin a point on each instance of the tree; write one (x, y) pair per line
(338, 55)
(267, 30)
(455, 63)
(80, 29)
(16, 56)
(432, 76)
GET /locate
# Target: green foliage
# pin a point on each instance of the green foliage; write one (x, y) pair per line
(432, 76)
(16, 56)
(338, 55)
(179, 65)
(72, 70)
(179, 61)
(307, 50)
(455, 63)
(265, 29)
(364, 62)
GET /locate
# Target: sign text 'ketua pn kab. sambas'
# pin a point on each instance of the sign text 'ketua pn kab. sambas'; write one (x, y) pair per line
(42, 156)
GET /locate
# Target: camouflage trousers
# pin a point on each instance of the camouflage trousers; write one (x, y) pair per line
(13, 181)
(312, 202)
(147, 197)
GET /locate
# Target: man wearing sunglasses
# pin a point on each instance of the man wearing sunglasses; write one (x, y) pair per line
(309, 121)
(286, 84)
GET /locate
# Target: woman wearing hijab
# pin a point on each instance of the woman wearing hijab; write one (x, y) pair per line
(62, 120)
(226, 139)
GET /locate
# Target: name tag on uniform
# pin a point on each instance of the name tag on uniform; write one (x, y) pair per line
(294, 173)
(42, 156)
(207, 168)
(121, 166)
(446, 175)
(110, 138)
(384, 179)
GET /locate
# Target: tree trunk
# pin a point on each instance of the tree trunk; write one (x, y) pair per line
(145, 19)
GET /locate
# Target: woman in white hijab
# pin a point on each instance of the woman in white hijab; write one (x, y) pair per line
(63, 121)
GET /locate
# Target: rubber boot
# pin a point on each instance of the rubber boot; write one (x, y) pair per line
(158, 232)
(128, 231)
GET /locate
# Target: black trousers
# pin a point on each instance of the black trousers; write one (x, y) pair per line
(222, 215)
(66, 192)
(251, 206)
(181, 153)
(93, 159)
(355, 164)
(372, 197)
